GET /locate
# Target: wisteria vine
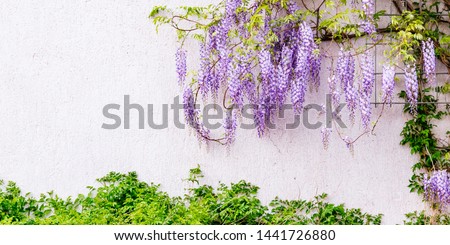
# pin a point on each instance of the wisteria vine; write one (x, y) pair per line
(270, 53)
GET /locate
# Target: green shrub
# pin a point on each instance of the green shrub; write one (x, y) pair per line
(123, 199)
(420, 218)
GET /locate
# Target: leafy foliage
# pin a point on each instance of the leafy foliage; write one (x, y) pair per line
(124, 199)
(420, 218)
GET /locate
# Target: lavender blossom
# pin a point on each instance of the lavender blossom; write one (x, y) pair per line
(204, 75)
(307, 47)
(368, 72)
(368, 27)
(190, 112)
(180, 58)
(231, 7)
(345, 72)
(326, 132)
(224, 27)
(283, 72)
(306, 36)
(429, 60)
(213, 79)
(349, 143)
(260, 118)
(292, 6)
(243, 19)
(366, 110)
(268, 76)
(230, 126)
(212, 34)
(412, 87)
(388, 83)
(299, 85)
(315, 68)
(437, 187)
(368, 7)
(234, 83)
(334, 91)
(352, 101)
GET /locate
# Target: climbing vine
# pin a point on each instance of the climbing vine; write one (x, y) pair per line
(269, 53)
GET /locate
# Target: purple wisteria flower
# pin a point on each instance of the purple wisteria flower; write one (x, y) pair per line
(300, 83)
(349, 143)
(230, 126)
(368, 72)
(326, 132)
(283, 75)
(180, 59)
(224, 27)
(429, 60)
(231, 7)
(412, 87)
(437, 187)
(345, 73)
(365, 95)
(306, 66)
(191, 114)
(334, 91)
(368, 7)
(260, 118)
(388, 83)
(204, 76)
(234, 82)
(269, 87)
(316, 62)
(366, 110)
(292, 6)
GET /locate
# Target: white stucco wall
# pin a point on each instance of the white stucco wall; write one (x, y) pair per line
(62, 61)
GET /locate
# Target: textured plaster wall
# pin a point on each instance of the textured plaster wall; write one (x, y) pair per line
(61, 62)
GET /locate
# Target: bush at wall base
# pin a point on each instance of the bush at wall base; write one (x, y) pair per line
(123, 199)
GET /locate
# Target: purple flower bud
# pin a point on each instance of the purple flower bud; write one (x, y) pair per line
(180, 58)
(204, 76)
(388, 83)
(412, 87)
(437, 188)
(368, 7)
(283, 72)
(230, 126)
(326, 132)
(429, 60)
(368, 71)
(366, 110)
(192, 115)
(345, 73)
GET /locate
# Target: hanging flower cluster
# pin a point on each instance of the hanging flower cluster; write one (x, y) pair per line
(437, 187)
(326, 132)
(388, 83)
(368, 82)
(191, 114)
(412, 87)
(287, 67)
(345, 73)
(273, 61)
(180, 59)
(368, 25)
(429, 60)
